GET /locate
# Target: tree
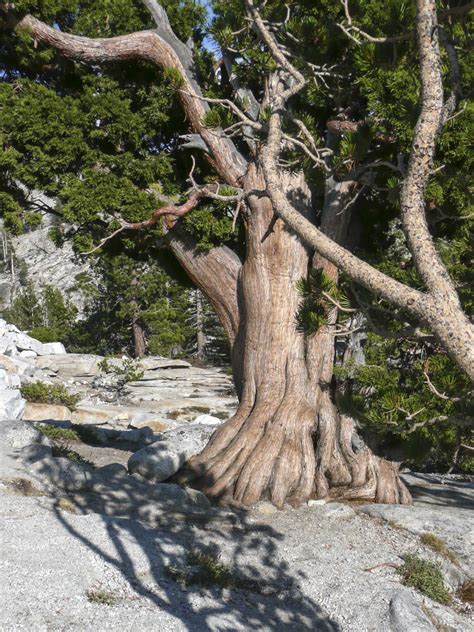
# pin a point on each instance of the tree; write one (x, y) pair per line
(314, 128)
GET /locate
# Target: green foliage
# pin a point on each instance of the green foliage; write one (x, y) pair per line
(43, 393)
(317, 293)
(392, 398)
(101, 597)
(426, 577)
(128, 369)
(65, 452)
(211, 570)
(57, 433)
(47, 315)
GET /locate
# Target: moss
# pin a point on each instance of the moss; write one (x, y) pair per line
(425, 576)
(42, 393)
(102, 597)
(436, 544)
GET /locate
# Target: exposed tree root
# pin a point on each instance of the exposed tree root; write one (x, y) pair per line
(286, 458)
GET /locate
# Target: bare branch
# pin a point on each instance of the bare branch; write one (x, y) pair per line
(276, 53)
(175, 211)
(349, 27)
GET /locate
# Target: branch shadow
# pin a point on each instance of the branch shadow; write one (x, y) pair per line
(167, 522)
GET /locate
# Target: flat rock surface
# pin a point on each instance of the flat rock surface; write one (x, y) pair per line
(80, 562)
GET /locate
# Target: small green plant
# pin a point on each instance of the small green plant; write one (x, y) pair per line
(40, 392)
(128, 369)
(436, 544)
(60, 434)
(65, 452)
(102, 597)
(210, 569)
(425, 576)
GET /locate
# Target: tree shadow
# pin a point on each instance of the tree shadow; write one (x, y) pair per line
(167, 523)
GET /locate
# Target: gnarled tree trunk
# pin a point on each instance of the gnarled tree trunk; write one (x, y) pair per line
(287, 442)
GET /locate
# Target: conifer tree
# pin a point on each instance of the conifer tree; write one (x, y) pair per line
(316, 112)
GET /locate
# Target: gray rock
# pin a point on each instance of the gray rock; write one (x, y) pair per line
(35, 452)
(16, 365)
(71, 364)
(111, 470)
(190, 439)
(207, 420)
(27, 354)
(24, 342)
(63, 473)
(20, 434)
(407, 616)
(157, 462)
(452, 525)
(154, 362)
(9, 380)
(12, 404)
(53, 348)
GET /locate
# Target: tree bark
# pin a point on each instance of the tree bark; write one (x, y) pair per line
(286, 442)
(139, 341)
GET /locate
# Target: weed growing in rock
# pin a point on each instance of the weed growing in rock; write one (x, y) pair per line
(466, 592)
(425, 576)
(204, 569)
(210, 569)
(128, 369)
(65, 452)
(58, 433)
(437, 545)
(102, 597)
(42, 393)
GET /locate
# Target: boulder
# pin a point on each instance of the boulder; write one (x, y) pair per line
(16, 365)
(28, 354)
(20, 434)
(157, 462)
(207, 420)
(70, 364)
(95, 415)
(189, 439)
(46, 412)
(407, 616)
(63, 473)
(35, 452)
(53, 348)
(24, 342)
(9, 380)
(152, 363)
(12, 404)
(7, 346)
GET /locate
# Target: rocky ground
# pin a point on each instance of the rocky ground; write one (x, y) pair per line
(108, 545)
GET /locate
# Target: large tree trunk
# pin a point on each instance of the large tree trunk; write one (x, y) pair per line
(286, 442)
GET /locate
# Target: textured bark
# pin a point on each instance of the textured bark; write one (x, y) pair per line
(287, 441)
(139, 342)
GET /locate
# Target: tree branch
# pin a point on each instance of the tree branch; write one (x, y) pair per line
(215, 272)
(162, 48)
(175, 211)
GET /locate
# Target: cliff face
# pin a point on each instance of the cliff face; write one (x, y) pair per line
(34, 256)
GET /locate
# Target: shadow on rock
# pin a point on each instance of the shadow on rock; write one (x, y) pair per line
(212, 568)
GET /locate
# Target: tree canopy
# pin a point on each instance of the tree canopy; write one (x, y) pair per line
(106, 141)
